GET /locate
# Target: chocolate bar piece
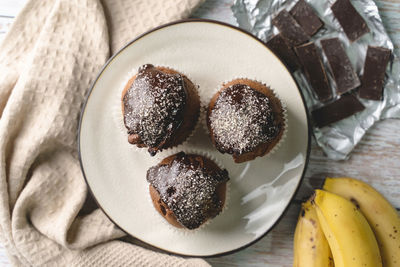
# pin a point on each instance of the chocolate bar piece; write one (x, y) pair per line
(345, 77)
(290, 29)
(352, 23)
(278, 45)
(346, 106)
(374, 72)
(305, 15)
(314, 70)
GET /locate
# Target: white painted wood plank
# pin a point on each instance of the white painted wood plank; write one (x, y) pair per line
(390, 13)
(10, 8)
(5, 24)
(4, 261)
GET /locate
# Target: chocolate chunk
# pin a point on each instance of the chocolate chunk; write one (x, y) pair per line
(346, 106)
(345, 77)
(374, 72)
(314, 70)
(278, 45)
(290, 29)
(305, 15)
(352, 23)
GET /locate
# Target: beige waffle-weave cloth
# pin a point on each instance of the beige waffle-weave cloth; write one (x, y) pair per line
(48, 60)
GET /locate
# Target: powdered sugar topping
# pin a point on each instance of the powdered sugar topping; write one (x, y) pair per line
(188, 189)
(154, 105)
(242, 119)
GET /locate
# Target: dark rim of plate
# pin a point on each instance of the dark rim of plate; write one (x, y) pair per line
(308, 139)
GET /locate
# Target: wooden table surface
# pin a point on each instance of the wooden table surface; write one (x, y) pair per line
(375, 160)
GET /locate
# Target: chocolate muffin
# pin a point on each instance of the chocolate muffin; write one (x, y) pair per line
(245, 119)
(187, 189)
(160, 106)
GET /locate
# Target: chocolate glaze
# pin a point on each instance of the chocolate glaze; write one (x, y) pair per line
(189, 188)
(241, 120)
(154, 107)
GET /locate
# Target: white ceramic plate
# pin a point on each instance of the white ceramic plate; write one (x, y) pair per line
(210, 53)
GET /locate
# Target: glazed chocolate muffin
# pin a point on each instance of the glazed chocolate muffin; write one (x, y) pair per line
(187, 189)
(160, 108)
(245, 119)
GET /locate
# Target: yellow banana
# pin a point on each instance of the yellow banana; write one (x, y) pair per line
(311, 248)
(349, 235)
(381, 216)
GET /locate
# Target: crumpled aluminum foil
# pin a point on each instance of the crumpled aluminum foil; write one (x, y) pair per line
(338, 139)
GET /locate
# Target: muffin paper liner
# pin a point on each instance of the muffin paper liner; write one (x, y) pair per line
(118, 117)
(285, 117)
(184, 231)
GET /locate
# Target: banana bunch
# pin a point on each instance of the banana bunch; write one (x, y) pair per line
(350, 222)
